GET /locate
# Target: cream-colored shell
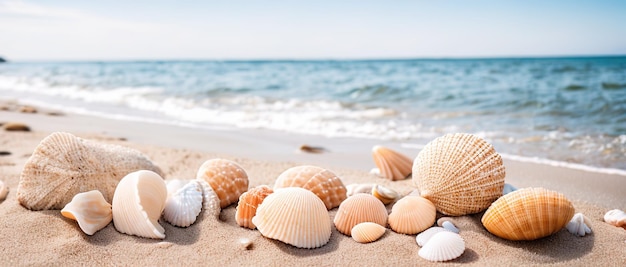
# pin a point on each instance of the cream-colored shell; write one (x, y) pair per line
(423, 237)
(384, 194)
(4, 191)
(90, 210)
(353, 189)
(391, 164)
(226, 177)
(411, 215)
(367, 232)
(443, 246)
(248, 203)
(459, 173)
(64, 165)
(295, 216)
(616, 217)
(138, 202)
(324, 183)
(183, 203)
(579, 225)
(357, 209)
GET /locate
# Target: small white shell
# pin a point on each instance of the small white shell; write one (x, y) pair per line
(183, 203)
(423, 237)
(443, 246)
(90, 210)
(4, 191)
(508, 188)
(352, 189)
(578, 225)
(616, 217)
(210, 200)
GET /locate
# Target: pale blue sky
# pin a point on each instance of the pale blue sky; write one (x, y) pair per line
(113, 30)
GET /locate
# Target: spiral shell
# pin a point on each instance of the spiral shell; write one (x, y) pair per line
(357, 209)
(227, 178)
(367, 232)
(411, 215)
(248, 204)
(443, 246)
(184, 202)
(391, 164)
(323, 183)
(90, 210)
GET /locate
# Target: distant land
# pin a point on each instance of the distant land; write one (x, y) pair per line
(2, 60)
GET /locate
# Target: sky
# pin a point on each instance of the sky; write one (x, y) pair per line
(162, 30)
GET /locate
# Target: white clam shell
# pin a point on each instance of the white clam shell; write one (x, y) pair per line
(90, 210)
(423, 237)
(578, 225)
(443, 246)
(4, 191)
(353, 189)
(210, 200)
(183, 203)
(616, 217)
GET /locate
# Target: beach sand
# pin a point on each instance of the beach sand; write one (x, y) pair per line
(47, 238)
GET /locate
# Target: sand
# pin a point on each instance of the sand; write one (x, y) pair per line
(47, 238)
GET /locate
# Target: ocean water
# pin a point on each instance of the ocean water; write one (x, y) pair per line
(568, 110)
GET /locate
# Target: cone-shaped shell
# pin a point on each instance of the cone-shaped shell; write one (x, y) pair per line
(443, 246)
(367, 232)
(295, 216)
(357, 209)
(248, 203)
(391, 164)
(226, 177)
(411, 215)
(459, 173)
(64, 165)
(138, 202)
(90, 210)
(528, 214)
(184, 202)
(324, 183)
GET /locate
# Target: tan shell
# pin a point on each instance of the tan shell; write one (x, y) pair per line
(357, 209)
(64, 165)
(90, 210)
(4, 191)
(459, 173)
(248, 203)
(528, 214)
(324, 183)
(295, 216)
(384, 194)
(138, 203)
(411, 215)
(367, 232)
(391, 164)
(226, 177)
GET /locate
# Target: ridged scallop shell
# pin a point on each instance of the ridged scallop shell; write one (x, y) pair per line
(210, 200)
(424, 236)
(4, 191)
(248, 203)
(323, 183)
(459, 173)
(90, 210)
(443, 246)
(616, 217)
(578, 225)
(384, 194)
(367, 232)
(226, 177)
(357, 209)
(295, 216)
(528, 214)
(138, 202)
(411, 215)
(391, 164)
(183, 203)
(64, 165)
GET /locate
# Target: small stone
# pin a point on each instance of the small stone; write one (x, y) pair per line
(245, 243)
(16, 127)
(27, 109)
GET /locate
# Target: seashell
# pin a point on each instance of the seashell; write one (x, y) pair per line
(245, 243)
(508, 188)
(443, 246)
(353, 189)
(64, 165)
(449, 226)
(323, 183)
(578, 225)
(424, 236)
(459, 173)
(16, 127)
(90, 210)
(367, 232)
(227, 178)
(411, 215)
(357, 209)
(295, 216)
(391, 164)
(528, 214)
(210, 200)
(312, 149)
(183, 203)
(138, 202)
(616, 217)
(248, 203)
(4, 191)
(384, 194)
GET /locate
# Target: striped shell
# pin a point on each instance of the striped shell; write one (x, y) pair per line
(210, 200)
(443, 246)
(227, 178)
(459, 173)
(90, 210)
(295, 216)
(248, 203)
(528, 214)
(367, 232)
(424, 236)
(184, 202)
(324, 183)
(411, 215)
(357, 209)
(391, 164)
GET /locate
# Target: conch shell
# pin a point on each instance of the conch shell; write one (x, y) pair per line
(226, 177)
(391, 164)
(248, 203)
(322, 182)
(184, 202)
(90, 210)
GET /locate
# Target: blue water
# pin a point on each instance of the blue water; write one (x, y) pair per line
(564, 109)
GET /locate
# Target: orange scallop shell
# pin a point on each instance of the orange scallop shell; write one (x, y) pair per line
(391, 164)
(248, 203)
(411, 215)
(357, 209)
(322, 182)
(227, 178)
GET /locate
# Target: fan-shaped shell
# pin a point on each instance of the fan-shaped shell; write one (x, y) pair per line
(459, 173)
(616, 217)
(411, 215)
(443, 246)
(528, 214)
(64, 165)
(4, 191)
(578, 225)
(391, 164)
(226, 177)
(183, 203)
(138, 202)
(248, 203)
(367, 232)
(90, 210)
(357, 209)
(324, 183)
(210, 200)
(295, 216)
(424, 236)
(384, 194)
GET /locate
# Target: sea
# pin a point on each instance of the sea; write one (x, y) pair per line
(560, 111)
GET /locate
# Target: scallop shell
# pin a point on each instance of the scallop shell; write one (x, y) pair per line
(367, 232)
(138, 202)
(248, 203)
(459, 173)
(616, 217)
(411, 215)
(4, 191)
(384, 194)
(210, 200)
(295, 216)
(357, 209)
(528, 214)
(64, 165)
(183, 203)
(227, 178)
(443, 246)
(391, 164)
(424, 236)
(578, 225)
(324, 183)
(353, 189)
(90, 210)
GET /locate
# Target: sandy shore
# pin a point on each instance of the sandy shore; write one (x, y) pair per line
(46, 238)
